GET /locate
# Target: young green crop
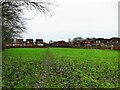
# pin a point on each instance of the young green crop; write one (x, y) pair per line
(87, 68)
(60, 68)
(22, 67)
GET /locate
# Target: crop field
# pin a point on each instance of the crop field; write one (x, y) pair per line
(59, 68)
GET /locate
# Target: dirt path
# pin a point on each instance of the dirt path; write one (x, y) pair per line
(45, 73)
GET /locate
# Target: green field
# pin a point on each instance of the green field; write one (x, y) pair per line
(59, 68)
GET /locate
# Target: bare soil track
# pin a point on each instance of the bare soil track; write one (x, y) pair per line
(43, 77)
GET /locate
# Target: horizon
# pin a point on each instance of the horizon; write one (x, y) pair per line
(24, 39)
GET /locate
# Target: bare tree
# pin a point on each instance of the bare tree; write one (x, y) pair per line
(13, 24)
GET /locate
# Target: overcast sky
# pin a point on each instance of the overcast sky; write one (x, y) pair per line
(75, 18)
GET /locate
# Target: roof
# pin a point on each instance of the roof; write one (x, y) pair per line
(115, 38)
(39, 39)
(29, 39)
(19, 39)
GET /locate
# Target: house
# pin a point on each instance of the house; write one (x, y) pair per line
(29, 42)
(82, 43)
(39, 42)
(19, 42)
(93, 43)
(62, 44)
(115, 41)
(101, 42)
(76, 43)
(88, 42)
(54, 44)
(58, 44)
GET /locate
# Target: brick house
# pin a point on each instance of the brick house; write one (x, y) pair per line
(101, 42)
(80, 43)
(39, 42)
(29, 42)
(76, 43)
(62, 44)
(88, 42)
(19, 42)
(115, 41)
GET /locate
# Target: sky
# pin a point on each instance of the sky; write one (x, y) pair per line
(74, 18)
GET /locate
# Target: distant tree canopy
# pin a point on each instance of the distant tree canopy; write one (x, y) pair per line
(13, 24)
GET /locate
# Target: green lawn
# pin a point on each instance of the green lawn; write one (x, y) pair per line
(60, 68)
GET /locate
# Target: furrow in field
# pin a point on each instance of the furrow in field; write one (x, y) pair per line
(45, 74)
